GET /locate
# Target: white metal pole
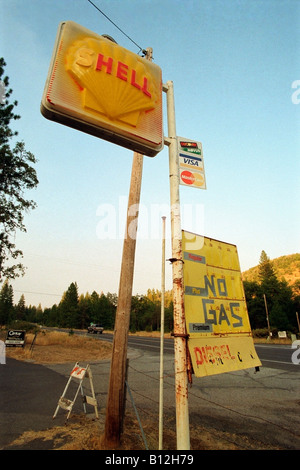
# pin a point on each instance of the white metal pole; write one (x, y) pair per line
(180, 339)
(162, 331)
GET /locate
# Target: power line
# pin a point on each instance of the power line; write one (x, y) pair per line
(37, 293)
(140, 48)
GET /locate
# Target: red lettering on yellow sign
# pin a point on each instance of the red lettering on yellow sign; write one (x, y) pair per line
(212, 355)
(108, 64)
(195, 257)
(122, 70)
(123, 73)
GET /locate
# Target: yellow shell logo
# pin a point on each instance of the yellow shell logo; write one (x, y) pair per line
(113, 82)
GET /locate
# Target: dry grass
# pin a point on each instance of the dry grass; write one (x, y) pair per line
(58, 347)
(272, 341)
(83, 433)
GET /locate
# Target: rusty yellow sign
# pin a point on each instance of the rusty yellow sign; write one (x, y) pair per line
(98, 87)
(220, 338)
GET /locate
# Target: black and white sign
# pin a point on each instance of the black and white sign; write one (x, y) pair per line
(15, 338)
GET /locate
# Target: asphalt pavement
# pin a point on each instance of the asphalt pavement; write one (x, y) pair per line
(261, 408)
(28, 397)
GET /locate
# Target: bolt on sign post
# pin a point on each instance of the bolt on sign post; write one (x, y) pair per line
(220, 338)
(180, 337)
(98, 87)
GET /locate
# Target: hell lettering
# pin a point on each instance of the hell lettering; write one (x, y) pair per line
(122, 72)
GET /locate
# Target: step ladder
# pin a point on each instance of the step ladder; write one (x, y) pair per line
(78, 374)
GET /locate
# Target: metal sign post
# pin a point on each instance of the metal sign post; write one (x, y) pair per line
(180, 337)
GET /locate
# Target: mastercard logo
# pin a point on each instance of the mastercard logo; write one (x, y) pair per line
(189, 178)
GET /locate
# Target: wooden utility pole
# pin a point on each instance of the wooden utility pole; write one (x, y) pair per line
(116, 392)
(267, 316)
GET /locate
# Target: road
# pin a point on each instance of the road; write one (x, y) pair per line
(274, 356)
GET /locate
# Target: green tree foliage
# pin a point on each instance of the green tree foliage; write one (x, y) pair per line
(17, 175)
(255, 304)
(20, 308)
(74, 311)
(279, 296)
(68, 308)
(6, 303)
(266, 271)
(143, 314)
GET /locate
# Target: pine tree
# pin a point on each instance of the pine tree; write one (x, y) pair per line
(16, 176)
(69, 311)
(266, 271)
(20, 308)
(6, 303)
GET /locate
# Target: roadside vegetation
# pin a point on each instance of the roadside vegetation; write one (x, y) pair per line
(47, 347)
(265, 294)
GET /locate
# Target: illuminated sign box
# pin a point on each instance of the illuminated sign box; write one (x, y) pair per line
(98, 87)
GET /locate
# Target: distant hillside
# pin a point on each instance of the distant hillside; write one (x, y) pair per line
(286, 267)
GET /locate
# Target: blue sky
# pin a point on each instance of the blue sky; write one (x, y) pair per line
(233, 64)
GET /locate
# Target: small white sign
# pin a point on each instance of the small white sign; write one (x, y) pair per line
(282, 334)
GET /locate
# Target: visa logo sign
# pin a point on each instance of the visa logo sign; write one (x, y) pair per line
(191, 161)
(195, 161)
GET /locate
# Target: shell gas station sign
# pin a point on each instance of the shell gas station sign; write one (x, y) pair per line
(217, 322)
(96, 86)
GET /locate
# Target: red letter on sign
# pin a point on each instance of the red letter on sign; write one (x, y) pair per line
(122, 71)
(133, 82)
(198, 355)
(144, 89)
(101, 62)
